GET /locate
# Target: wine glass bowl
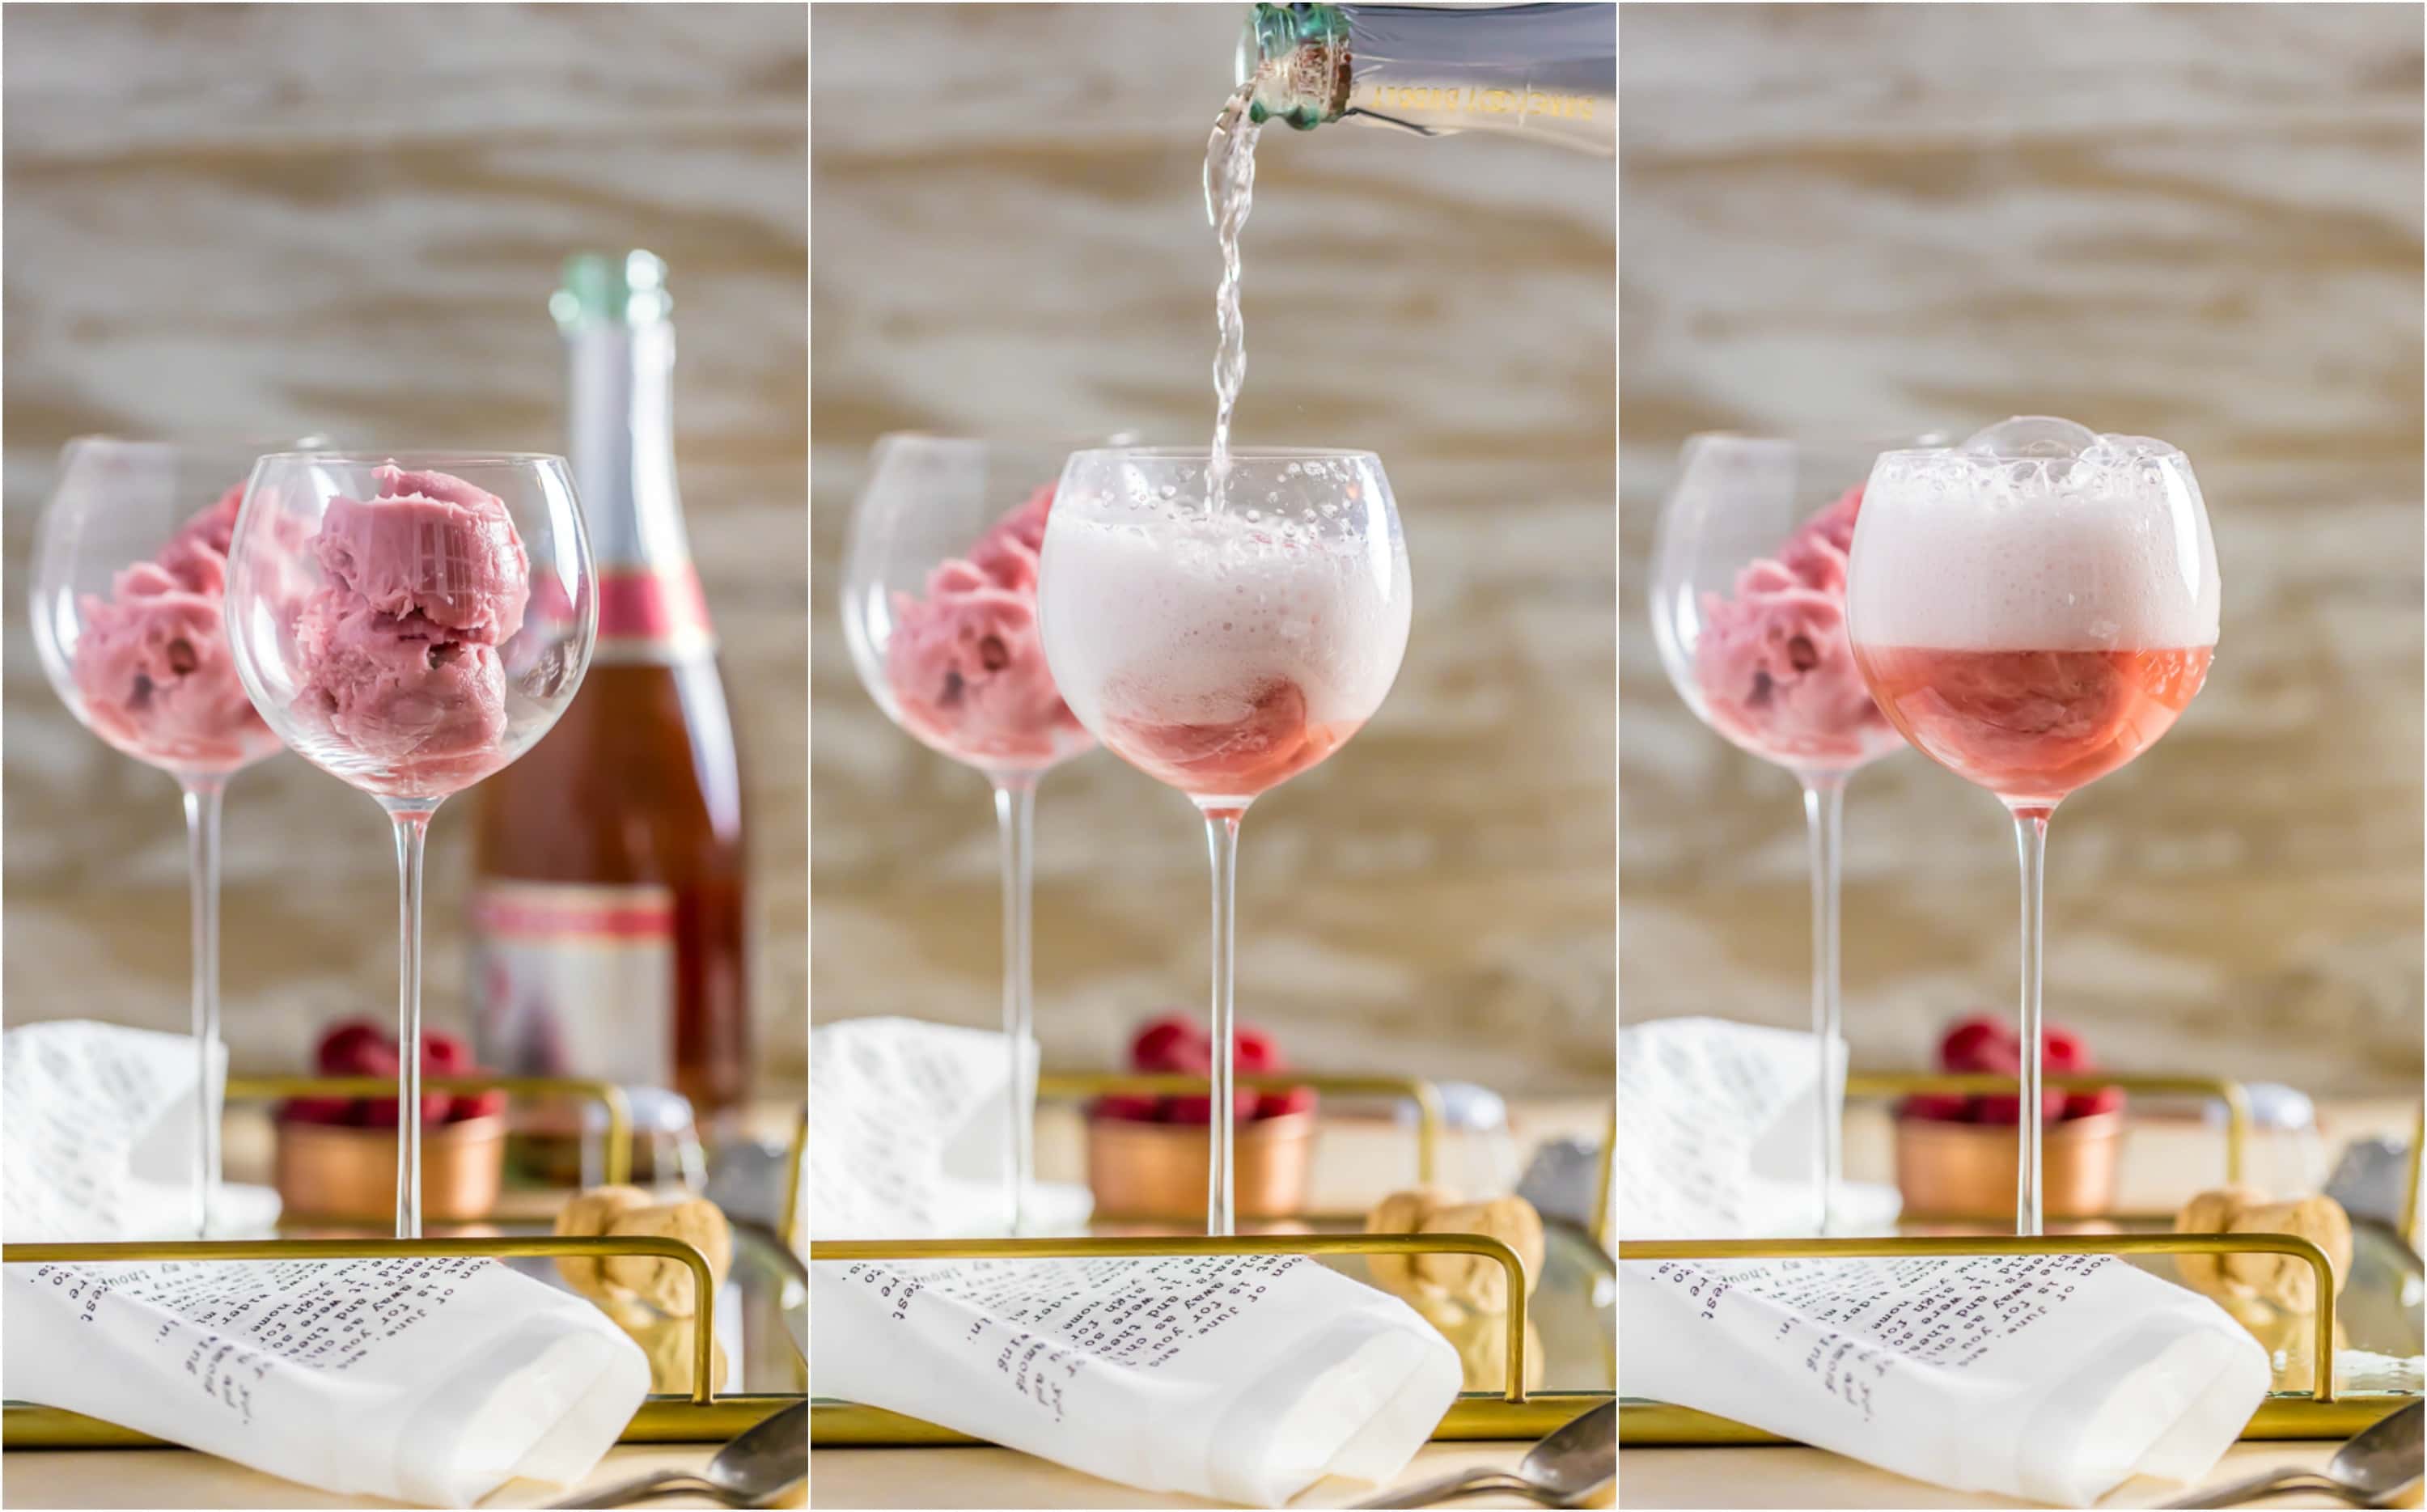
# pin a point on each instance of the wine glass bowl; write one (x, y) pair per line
(1224, 652)
(1747, 599)
(939, 599)
(411, 623)
(130, 571)
(2033, 621)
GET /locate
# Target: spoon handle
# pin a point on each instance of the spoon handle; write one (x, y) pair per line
(1450, 1488)
(627, 1492)
(2258, 1487)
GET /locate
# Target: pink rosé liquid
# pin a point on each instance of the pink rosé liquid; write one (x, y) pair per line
(2032, 726)
(1242, 758)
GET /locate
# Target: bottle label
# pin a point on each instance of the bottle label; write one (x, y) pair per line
(651, 616)
(574, 980)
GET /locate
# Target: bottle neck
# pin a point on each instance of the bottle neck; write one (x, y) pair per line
(1548, 73)
(621, 419)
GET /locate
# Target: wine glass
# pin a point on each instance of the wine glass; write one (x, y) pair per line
(939, 606)
(1748, 610)
(410, 623)
(2032, 610)
(130, 566)
(1223, 650)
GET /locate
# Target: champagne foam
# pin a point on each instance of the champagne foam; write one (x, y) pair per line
(1186, 619)
(2106, 548)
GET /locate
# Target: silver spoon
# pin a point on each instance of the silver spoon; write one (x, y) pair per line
(766, 1461)
(1562, 1471)
(2372, 1469)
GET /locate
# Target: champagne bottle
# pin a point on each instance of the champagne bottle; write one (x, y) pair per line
(608, 911)
(1548, 73)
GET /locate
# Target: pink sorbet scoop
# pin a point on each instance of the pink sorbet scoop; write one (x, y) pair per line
(397, 656)
(965, 664)
(1775, 664)
(151, 661)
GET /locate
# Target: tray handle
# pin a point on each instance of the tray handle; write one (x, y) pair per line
(1512, 1266)
(1069, 1086)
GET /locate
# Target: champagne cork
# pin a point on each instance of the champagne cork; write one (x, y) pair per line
(2282, 1280)
(628, 1211)
(1473, 1280)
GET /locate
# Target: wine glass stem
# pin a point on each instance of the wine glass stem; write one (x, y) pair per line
(1824, 804)
(412, 830)
(1015, 811)
(202, 864)
(1222, 843)
(2030, 839)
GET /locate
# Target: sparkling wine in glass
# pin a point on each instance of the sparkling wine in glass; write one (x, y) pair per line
(2032, 610)
(410, 623)
(1748, 610)
(1224, 650)
(130, 568)
(939, 606)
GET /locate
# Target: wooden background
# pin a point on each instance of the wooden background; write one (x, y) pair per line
(1008, 234)
(250, 219)
(2200, 222)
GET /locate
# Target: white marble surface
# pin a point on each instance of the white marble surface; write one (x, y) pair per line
(348, 217)
(2201, 222)
(1008, 233)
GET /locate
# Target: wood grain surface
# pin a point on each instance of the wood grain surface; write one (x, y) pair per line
(274, 218)
(1009, 236)
(2201, 222)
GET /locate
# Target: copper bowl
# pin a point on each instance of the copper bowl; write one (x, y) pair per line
(1951, 1170)
(1144, 1170)
(339, 1171)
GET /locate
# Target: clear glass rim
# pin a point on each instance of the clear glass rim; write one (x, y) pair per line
(409, 457)
(1238, 454)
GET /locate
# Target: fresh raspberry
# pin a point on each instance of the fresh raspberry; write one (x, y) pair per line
(1290, 1100)
(1171, 1046)
(443, 1054)
(2084, 1104)
(355, 1047)
(479, 1104)
(2062, 1050)
(316, 1111)
(1254, 1052)
(1134, 1106)
(1945, 1107)
(1980, 1044)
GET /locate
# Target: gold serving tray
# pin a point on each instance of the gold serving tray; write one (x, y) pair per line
(2383, 1298)
(1571, 1315)
(773, 1286)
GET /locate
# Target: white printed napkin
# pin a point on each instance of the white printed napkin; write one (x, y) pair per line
(1716, 1124)
(907, 1125)
(431, 1381)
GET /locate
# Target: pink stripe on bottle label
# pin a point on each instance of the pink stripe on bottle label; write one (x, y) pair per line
(652, 615)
